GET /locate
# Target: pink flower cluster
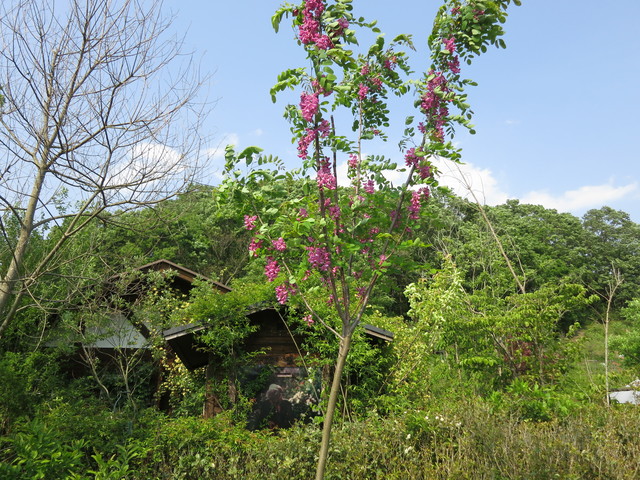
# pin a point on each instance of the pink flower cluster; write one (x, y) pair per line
(309, 319)
(325, 176)
(362, 91)
(319, 258)
(449, 44)
(369, 186)
(415, 204)
(454, 61)
(250, 221)
(279, 244)
(433, 105)
(271, 269)
(254, 246)
(311, 134)
(282, 294)
(421, 165)
(309, 105)
(391, 62)
(319, 89)
(309, 32)
(283, 291)
(334, 212)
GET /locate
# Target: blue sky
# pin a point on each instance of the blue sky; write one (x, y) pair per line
(556, 113)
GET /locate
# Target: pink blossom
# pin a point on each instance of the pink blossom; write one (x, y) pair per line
(454, 65)
(319, 89)
(325, 177)
(305, 141)
(319, 258)
(365, 69)
(377, 82)
(391, 62)
(369, 186)
(308, 105)
(317, 5)
(279, 244)
(424, 169)
(323, 42)
(272, 269)
(410, 158)
(324, 128)
(310, 136)
(254, 246)
(414, 206)
(338, 31)
(362, 91)
(308, 319)
(250, 221)
(310, 27)
(283, 291)
(303, 213)
(334, 212)
(353, 161)
(433, 105)
(449, 44)
(282, 294)
(308, 30)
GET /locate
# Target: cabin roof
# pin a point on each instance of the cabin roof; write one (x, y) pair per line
(181, 272)
(184, 342)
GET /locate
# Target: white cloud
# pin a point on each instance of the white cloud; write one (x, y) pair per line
(217, 153)
(394, 176)
(466, 178)
(588, 196)
(468, 181)
(148, 163)
(480, 184)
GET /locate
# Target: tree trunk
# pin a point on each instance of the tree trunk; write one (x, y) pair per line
(212, 405)
(343, 352)
(12, 277)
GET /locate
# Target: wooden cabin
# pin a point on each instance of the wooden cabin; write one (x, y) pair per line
(280, 350)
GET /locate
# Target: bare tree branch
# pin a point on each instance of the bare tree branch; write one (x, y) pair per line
(100, 103)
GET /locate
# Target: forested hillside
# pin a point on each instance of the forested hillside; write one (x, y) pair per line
(498, 339)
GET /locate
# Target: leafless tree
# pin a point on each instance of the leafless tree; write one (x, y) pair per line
(100, 109)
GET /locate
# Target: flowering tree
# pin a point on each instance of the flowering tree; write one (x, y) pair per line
(328, 238)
